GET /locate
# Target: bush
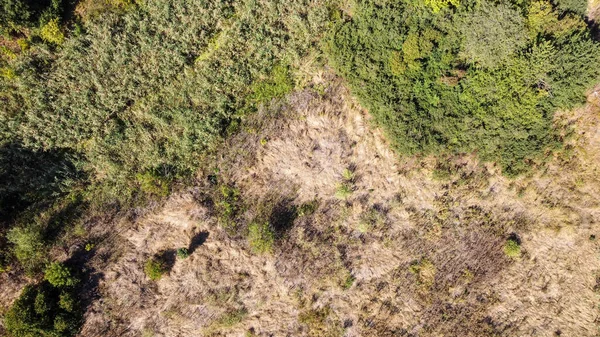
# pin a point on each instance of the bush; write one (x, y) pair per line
(51, 32)
(183, 253)
(155, 269)
(512, 248)
(58, 275)
(261, 237)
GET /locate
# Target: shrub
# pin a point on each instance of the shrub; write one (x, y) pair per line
(307, 208)
(276, 85)
(321, 322)
(343, 191)
(155, 268)
(59, 275)
(512, 248)
(51, 32)
(261, 237)
(183, 253)
(231, 318)
(348, 282)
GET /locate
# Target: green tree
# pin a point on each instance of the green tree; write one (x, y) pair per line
(37, 313)
(491, 34)
(59, 275)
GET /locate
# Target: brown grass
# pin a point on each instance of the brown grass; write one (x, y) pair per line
(422, 239)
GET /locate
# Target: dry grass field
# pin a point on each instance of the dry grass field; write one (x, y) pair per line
(366, 243)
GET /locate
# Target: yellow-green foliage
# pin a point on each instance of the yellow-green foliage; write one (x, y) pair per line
(512, 248)
(261, 237)
(276, 85)
(321, 322)
(152, 184)
(51, 32)
(228, 206)
(155, 269)
(59, 275)
(438, 5)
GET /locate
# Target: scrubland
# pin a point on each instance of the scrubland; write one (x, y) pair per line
(299, 168)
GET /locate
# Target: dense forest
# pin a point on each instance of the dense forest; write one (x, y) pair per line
(107, 106)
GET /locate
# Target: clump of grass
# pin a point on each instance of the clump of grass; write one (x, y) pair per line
(348, 282)
(369, 220)
(512, 248)
(343, 191)
(346, 187)
(321, 322)
(261, 237)
(425, 271)
(228, 320)
(228, 206)
(308, 208)
(155, 269)
(348, 175)
(278, 84)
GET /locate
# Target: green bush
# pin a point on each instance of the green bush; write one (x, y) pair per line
(155, 268)
(183, 253)
(58, 275)
(512, 248)
(51, 32)
(261, 237)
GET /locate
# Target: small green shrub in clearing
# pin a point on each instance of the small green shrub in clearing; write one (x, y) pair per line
(512, 248)
(261, 237)
(346, 187)
(183, 253)
(59, 275)
(425, 271)
(343, 191)
(152, 184)
(321, 322)
(348, 175)
(155, 269)
(348, 282)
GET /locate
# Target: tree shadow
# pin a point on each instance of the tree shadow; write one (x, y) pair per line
(167, 257)
(30, 177)
(515, 237)
(282, 216)
(197, 241)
